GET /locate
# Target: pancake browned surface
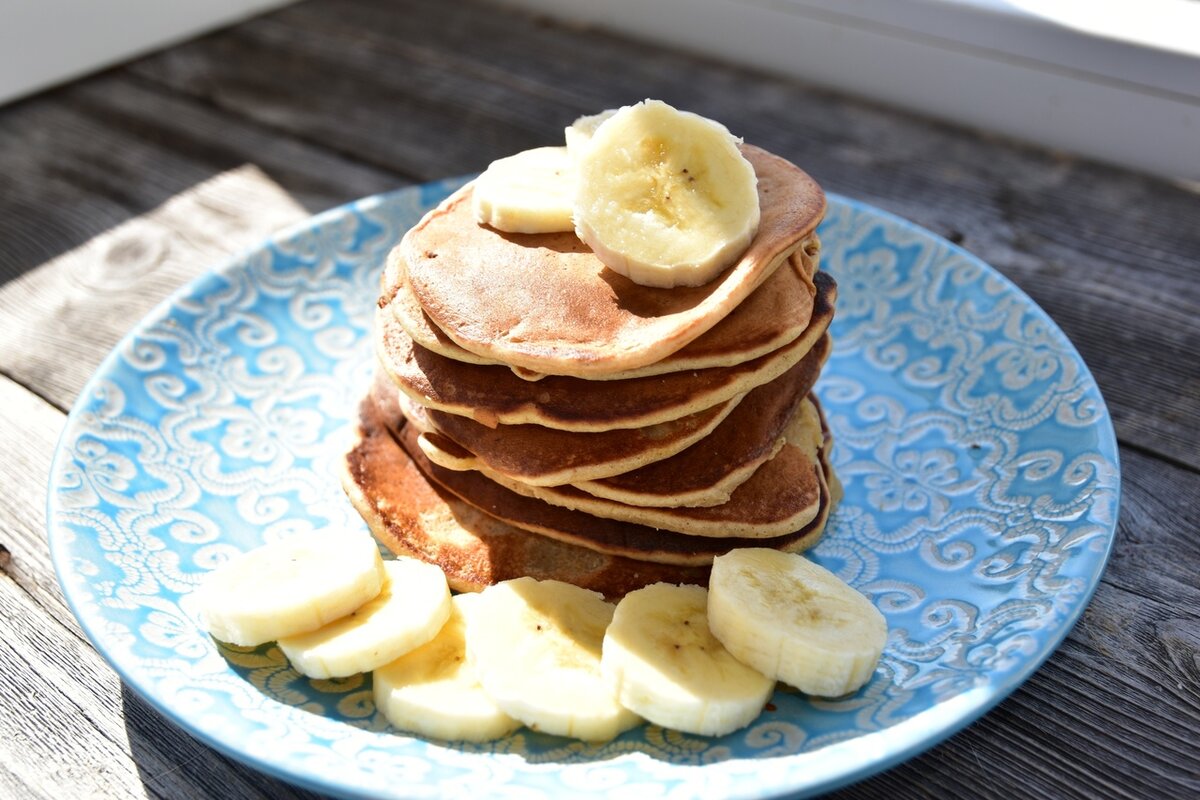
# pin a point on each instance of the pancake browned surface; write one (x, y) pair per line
(774, 314)
(544, 302)
(780, 497)
(608, 536)
(412, 517)
(546, 456)
(492, 394)
(708, 472)
(703, 474)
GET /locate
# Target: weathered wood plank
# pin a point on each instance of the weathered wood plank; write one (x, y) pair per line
(62, 318)
(1157, 551)
(82, 159)
(29, 428)
(41, 701)
(66, 732)
(431, 89)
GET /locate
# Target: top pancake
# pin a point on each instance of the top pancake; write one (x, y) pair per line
(544, 302)
(774, 314)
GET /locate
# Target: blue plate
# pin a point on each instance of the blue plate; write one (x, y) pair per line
(978, 459)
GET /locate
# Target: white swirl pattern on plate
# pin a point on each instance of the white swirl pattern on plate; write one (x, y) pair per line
(981, 494)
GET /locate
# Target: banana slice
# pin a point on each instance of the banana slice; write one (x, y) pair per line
(433, 690)
(410, 609)
(580, 132)
(665, 197)
(290, 587)
(663, 662)
(794, 620)
(530, 192)
(536, 648)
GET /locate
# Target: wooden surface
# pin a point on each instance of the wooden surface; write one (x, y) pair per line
(117, 188)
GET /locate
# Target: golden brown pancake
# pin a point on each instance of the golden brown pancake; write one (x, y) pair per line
(707, 473)
(412, 517)
(781, 496)
(544, 302)
(703, 474)
(608, 536)
(493, 395)
(774, 314)
(548, 457)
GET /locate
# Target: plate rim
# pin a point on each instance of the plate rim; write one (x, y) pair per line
(984, 698)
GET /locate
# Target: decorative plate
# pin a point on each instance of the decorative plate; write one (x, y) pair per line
(978, 459)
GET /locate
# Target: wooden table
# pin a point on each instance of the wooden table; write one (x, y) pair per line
(117, 188)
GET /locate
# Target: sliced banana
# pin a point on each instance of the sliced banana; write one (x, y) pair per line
(665, 197)
(530, 192)
(794, 620)
(535, 646)
(410, 609)
(664, 663)
(290, 587)
(580, 132)
(434, 691)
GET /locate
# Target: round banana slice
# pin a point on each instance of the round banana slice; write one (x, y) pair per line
(409, 610)
(794, 620)
(535, 646)
(290, 587)
(580, 132)
(663, 662)
(665, 197)
(434, 691)
(530, 192)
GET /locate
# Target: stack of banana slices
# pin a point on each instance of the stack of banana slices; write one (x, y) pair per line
(596, 363)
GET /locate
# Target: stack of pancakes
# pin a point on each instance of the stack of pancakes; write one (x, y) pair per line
(535, 413)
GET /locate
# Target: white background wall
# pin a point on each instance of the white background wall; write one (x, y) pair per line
(44, 42)
(1115, 80)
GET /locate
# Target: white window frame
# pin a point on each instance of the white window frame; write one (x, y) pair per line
(1114, 80)
(46, 42)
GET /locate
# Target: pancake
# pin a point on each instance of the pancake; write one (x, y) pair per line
(703, 474)
(397, 297)
(779, 497)
(412, 517)
(774, 314)
(493, 395)
(707, 473)
(607, 536)
(782, 496)
(548, 457)
(545, 303)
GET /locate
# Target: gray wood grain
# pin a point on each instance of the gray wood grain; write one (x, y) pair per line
(29, 429)
(105, 286)
(120, 187)
(85, 158)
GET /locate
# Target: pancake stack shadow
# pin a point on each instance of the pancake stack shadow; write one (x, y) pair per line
(535, 413)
